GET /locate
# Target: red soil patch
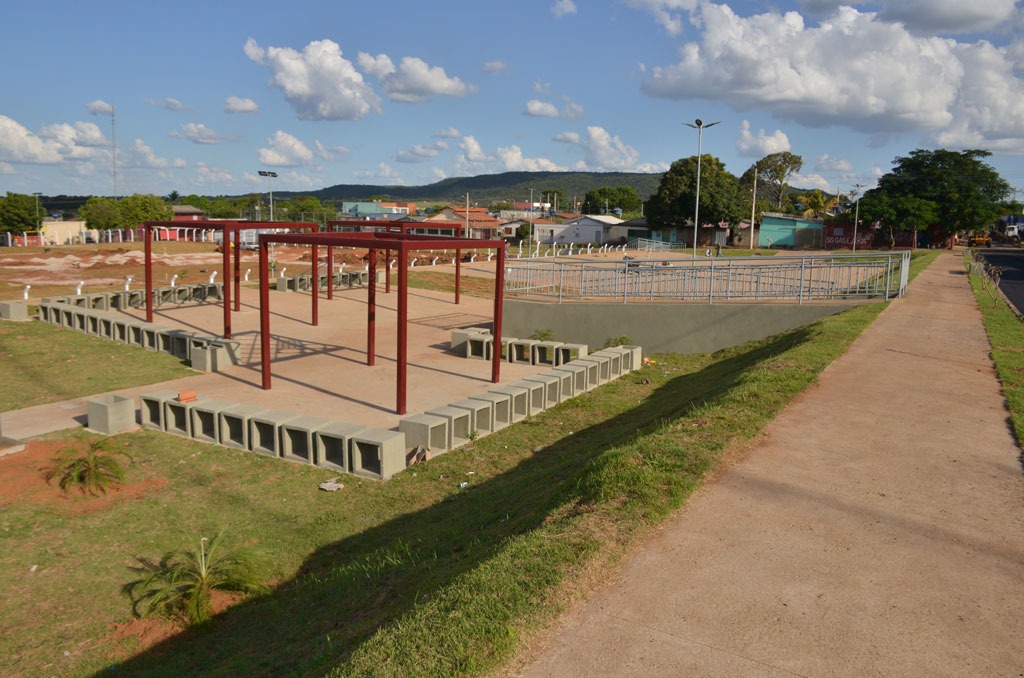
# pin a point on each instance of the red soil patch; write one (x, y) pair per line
(142, 634)
(22, 480)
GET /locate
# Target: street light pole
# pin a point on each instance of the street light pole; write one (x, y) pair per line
(37, 209)
(698, 125)
(856, 214)
(270, 183)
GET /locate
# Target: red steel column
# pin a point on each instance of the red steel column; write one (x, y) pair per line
(458, 274)
(330, 272)
(265, 315)
(499, 296)
(387, 271)
(314, 285)
(238, 269)
(403, 323)
(149, 273)
(371, 310)
(225, 242)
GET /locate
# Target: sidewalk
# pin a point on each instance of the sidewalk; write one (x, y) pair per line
(876, 528)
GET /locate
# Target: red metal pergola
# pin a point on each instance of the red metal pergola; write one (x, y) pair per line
(402, 244)
(227, 228)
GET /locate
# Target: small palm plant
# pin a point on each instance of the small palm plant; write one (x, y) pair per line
(184, 582)
(94, 471)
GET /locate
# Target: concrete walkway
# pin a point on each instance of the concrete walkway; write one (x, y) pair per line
(876, 528)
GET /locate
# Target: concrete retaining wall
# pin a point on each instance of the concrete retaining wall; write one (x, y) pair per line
(661, 328)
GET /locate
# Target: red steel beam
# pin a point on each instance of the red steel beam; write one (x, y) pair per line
(238, 270)
(225, 243)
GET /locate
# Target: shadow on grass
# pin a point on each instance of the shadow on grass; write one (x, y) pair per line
(349, 589)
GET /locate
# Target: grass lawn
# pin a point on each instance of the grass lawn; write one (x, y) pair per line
(1006, 334)
(415, 576)
(41, 363)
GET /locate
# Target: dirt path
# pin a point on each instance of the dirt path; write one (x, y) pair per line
(877, 527)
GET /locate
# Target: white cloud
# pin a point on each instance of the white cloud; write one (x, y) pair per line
(100, 107)
(413, 81)
(546, 109)
(17, 144)
(235, 104)
(949, 16)
(318, 82)
(141, 156)
(606, 152)
(823, 75)
(450, 133)
(762, 144)
(541, 87)
(285, 151)
(329, 154)
(472, 150)
(572, 110)
(512, 160)
(205, 174)
(810, 181)
(384, 173)
(495, 68)
(563, 8)
(78, 141)
(197, 133)
(421, 152)
(827, 164)
(666, 12)
(541, 109)
(168, 104)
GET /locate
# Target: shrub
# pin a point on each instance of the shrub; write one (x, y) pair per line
(93, 471)
(184, 582)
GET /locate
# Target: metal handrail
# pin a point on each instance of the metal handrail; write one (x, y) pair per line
(799, 279)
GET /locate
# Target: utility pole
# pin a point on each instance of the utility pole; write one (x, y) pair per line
(753, 206)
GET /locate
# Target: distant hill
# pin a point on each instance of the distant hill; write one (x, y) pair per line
(486, 188)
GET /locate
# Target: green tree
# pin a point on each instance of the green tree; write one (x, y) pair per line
(18, 213)
(222, 208)
(598, 200)
(100, 213)
(897, 212)
(173, 197)
(672, 206)
(775, 171)
(965, 191)
(198, 201)
(141, 207)
(554, 196)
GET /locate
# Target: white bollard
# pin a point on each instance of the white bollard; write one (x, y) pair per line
(490, 255)
(472, 258)
(590, 247)
(212, 276)
(281, 275)
(24, 295)
(128, 282)
(174, 280)
(247, 272)
(78, 290)
(434, 262)
(412, 264)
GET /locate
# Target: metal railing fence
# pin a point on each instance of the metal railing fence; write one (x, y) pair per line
(738, 279)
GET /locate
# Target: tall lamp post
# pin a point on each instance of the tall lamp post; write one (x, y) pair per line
(270, 182)
(856, 214)
(698, 125)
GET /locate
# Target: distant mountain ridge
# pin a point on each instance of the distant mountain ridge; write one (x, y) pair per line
(486, 188)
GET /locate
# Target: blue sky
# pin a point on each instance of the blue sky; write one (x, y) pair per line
(205, 94)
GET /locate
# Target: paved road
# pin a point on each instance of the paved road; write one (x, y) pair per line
(875, 529)
(1011, 260)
